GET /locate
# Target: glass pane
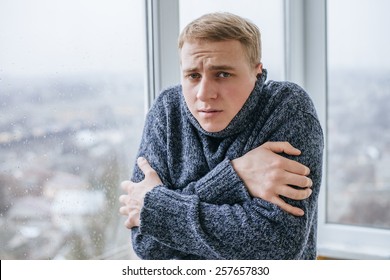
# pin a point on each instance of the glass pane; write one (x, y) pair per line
(71, 114)
(267, 15)
(358, 113)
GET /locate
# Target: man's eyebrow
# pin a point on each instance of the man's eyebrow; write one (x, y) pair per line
(190, 70)
(211, 68)
(221, 67)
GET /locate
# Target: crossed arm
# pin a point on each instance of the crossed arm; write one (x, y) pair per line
(265, 173)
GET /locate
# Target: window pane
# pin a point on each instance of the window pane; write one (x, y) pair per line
(71, 114)
(267, 15)
(358, 113)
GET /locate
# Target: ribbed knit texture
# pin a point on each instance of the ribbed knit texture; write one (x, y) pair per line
(203, 210)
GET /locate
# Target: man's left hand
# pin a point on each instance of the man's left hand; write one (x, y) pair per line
(133, 201)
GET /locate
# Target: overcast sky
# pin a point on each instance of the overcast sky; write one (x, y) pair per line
(70, 36)
(358, 33)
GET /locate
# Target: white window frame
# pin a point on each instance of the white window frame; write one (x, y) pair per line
(306, 64)
(162, 30)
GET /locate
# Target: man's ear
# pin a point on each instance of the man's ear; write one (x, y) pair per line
(259, 69)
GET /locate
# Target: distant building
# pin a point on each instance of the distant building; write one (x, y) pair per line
(30, 210)
(72, 208)
(382, 174)
(63, 181)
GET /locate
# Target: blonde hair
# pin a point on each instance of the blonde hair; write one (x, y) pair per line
(222, 27)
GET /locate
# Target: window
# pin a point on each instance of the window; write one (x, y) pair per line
(347, 70)
(267, 15)
(358, 114)
(72, 111)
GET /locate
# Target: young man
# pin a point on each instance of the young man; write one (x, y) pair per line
(229, 166)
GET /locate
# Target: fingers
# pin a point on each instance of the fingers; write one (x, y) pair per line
(288, 192)
(133, 219)
(131, 209)
(125, 185)
(282, 147)
(295, 167)
(285, 163)
(124, 210)
(151, 177)
(287, 207)
(144, 165)
(133, 201)
(128, 204)
(295, 194)
(296, 180)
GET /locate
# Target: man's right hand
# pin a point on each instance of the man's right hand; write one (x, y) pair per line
(268, 175)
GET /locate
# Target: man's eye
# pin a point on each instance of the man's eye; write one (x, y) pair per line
(223, 75)
(194, 76)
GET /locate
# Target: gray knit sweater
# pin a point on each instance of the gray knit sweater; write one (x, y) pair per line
(203, 210)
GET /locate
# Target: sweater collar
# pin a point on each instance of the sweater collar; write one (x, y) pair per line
(240, 121)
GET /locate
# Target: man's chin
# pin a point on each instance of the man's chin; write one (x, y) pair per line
(213, 128)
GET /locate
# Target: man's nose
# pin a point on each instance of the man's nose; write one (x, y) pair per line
(206, 90)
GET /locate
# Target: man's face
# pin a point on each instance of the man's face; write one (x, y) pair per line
(217, 79)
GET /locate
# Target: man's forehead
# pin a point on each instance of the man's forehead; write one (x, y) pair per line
(200, 45)
(212, 55)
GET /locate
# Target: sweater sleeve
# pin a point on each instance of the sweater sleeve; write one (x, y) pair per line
(253, 229)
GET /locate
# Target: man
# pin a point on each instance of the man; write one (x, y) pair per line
(229, 166)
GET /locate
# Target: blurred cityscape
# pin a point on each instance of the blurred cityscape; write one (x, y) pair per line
(65, 145)
(359, 148)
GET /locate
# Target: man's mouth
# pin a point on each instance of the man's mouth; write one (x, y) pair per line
(209, 112)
